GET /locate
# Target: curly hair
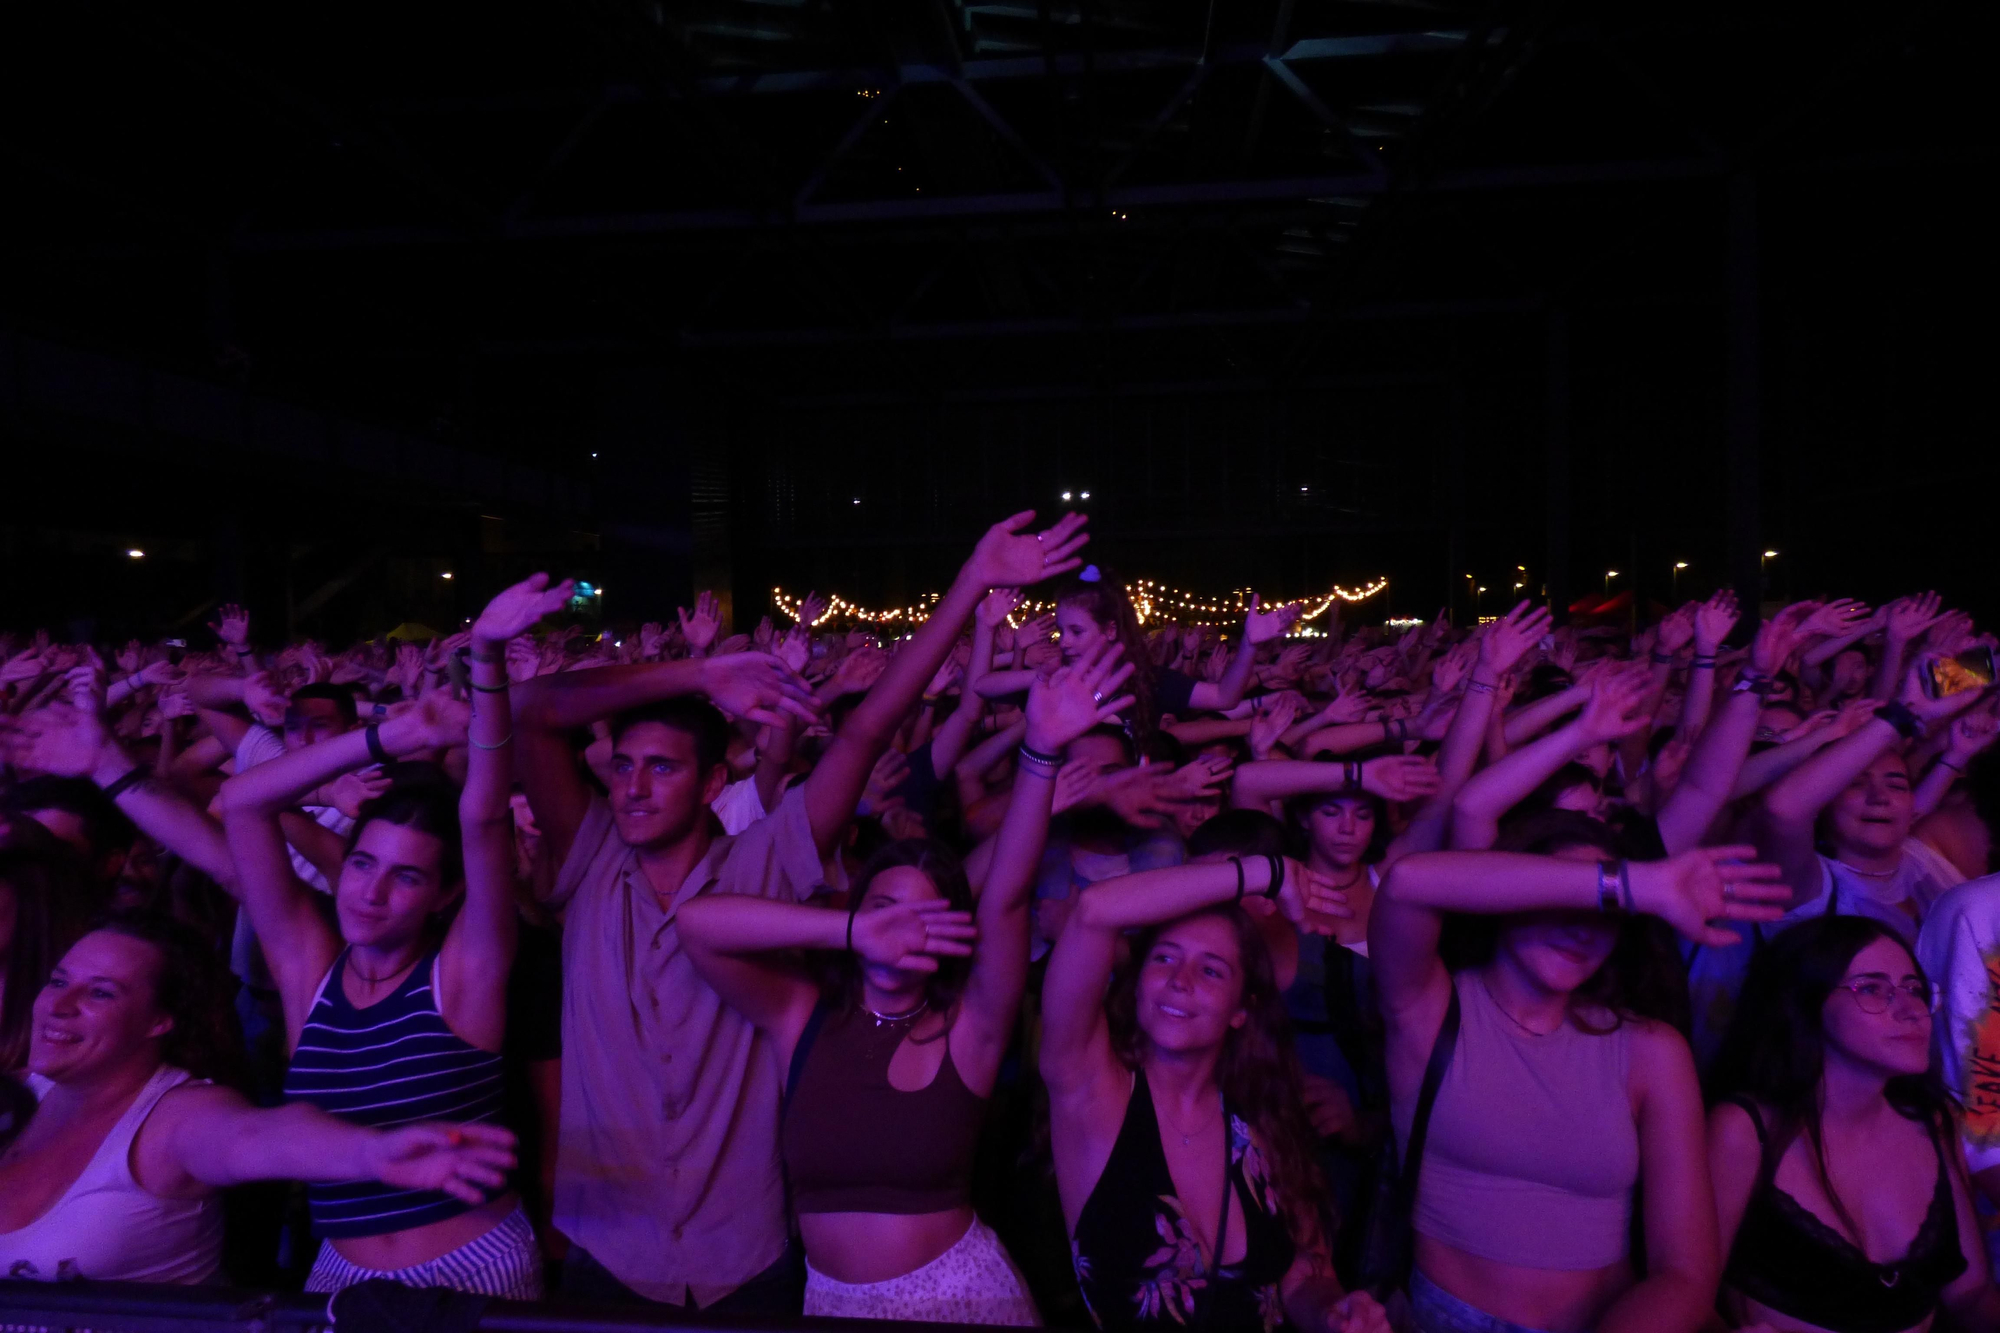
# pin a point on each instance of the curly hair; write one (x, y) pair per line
(1259, 1070)
(191, 987)
(1104, 601)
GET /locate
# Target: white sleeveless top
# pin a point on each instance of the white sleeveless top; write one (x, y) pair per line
(108, 1226)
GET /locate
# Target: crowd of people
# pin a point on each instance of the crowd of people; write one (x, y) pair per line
(1020, 968)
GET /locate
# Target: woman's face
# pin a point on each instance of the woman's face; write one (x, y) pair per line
(1190, 986)
(1873, 815)
(1559, 951)
(1850, 672)
(1080, 631)
(1341, 829)
(99, 1007)
(390, 885)
(891, 888)
(1896, 1041)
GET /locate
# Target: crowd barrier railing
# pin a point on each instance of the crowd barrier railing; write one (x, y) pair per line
(139, 1307)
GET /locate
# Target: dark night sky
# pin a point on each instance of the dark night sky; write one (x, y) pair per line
(315, 307)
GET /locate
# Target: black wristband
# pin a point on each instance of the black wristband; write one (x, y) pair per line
(1037, 756)
(1662, 659)
(1907, 724)
(373, 735)
(1350, 771)
(850, 927)
(1277, 874)
(1704, 663)
(1625, 884)
(124, 784)
(1237, 861)
(498, 660)
(487, 689)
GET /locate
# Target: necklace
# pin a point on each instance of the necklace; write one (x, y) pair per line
(884, 1020)
(1533, 1032)
(1870, 874)
(1187, 1139)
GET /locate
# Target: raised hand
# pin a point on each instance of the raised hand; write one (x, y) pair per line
(811, 609)
(1674, 631)
(857, 672)
(62, 739)
(436, 722)
(1199, 779)
(130, 656)
(996, 606)
(1261, 626)
(911, 937)
(232, 625)
(701, 628)
(883, 779)
(1835, 619)
(350, 791)
(1010, 557)
(1971, 734)
(1713, 620)
(1076, 783)
(764, 635)
(1268, 727)
(1931, 710)
(524, 660)
(1780, 636)
(1706, 885)
(1075, 698)
(1400, 777)
(469, 1162)
(1617, 705)
(264, 699)
(1306, 894)
(757, 686)
(1359, 1312)
(794, 649)
(516, 610)
(949, 673)
(85, 686)
(1907, 617)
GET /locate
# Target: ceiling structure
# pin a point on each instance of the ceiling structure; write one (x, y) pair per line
(1401, 286)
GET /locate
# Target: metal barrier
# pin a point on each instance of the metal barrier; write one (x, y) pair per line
(141, 1307)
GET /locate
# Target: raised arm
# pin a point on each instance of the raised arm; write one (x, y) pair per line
(1531, 720)
(1259, 627)
(1077, 1060)
(754, 685)
(1501, 645)
(72, 741)
(1902, 622)
(1792, 805)
(478, 951)
(1713, 621)
(1617, 705)
(1006, 556)
(1068, 704)
(298, 943)
(1710, 774)
(1393, 777)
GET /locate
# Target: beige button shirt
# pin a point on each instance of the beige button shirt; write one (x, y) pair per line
(667, 1165)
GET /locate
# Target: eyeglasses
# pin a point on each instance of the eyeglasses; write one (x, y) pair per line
(1875, 994)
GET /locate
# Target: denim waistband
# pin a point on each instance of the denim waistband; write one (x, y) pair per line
(1436, 1310)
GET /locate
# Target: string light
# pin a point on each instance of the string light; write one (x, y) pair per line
(1151, 600)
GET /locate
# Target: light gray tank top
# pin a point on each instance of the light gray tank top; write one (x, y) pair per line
(1533, 1150)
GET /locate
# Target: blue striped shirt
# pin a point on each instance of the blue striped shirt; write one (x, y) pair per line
(394, 1063)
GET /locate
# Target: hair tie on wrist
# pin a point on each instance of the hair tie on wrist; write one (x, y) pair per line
(487, 689)
(1237, 861)
(124, 784)
(373, 735)
(1704, 663)
(1277, 874)
(1625, 884)
(1607, 888)
(1907, 724)
(500, 744)
(850, 925)
(1662, 659)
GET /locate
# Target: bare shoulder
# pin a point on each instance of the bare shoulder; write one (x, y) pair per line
(1732, 1134)
(1661, 1062)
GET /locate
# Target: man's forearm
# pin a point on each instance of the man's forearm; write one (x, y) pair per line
(576, 698)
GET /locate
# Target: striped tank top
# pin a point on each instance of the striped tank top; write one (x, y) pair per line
(394, 1063)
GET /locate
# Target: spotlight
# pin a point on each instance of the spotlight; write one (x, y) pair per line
(136, 554)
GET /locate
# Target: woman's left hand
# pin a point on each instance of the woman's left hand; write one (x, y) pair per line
(468, 1162)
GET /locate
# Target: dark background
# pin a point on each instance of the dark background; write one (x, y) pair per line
(315, 304)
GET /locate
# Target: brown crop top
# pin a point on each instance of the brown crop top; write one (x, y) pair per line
(853, 1143)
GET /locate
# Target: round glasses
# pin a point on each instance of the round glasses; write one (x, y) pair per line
(1876, 994)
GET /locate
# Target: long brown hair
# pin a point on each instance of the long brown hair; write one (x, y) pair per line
(1103, 599)
(1259, 1071)
(191, 987)
(48, 889)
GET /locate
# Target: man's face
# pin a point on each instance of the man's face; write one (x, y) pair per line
(310, 721)
(658, 790)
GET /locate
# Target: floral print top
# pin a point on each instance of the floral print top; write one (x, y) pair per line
(1136, 1255)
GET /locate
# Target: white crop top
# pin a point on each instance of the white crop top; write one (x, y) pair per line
(109, 1227)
